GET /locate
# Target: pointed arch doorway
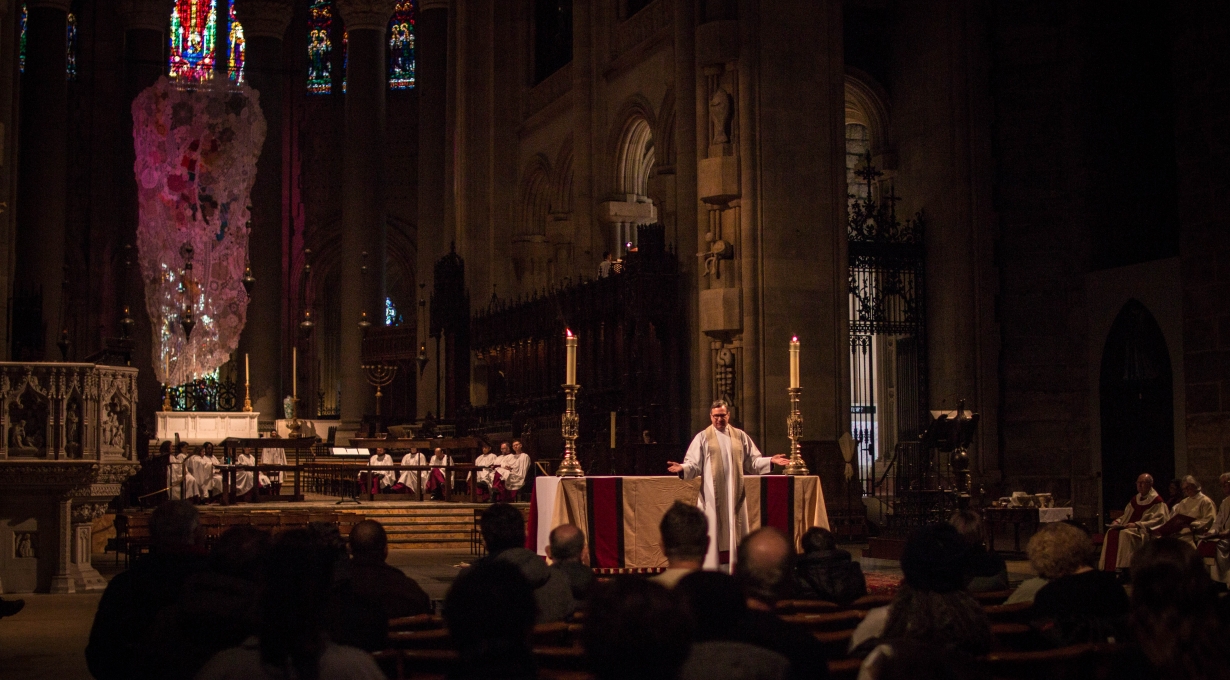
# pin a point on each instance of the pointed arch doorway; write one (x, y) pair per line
(1136, 402)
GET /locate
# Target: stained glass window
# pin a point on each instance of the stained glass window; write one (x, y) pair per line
(234, 62)
(320, 47)
(25, 13)
(71, 46)
(401, 46)
(392, 317)
(194, 26)
(345, 58)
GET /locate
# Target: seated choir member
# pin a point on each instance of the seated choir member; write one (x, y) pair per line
(1198, 507)
(1219, 533)
(685, 540)
(1055, 550)
(381, 479)
(512, 470)
(1145, 512)
(411, 481)
(244, 478)
(175, 471)
(987, 571)
(276, 456)
(198, 473)
(825, 572)
(486, 472)
(435, 481)
(215, 482)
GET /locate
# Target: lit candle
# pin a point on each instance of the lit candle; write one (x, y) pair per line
(570, 342)
(247, 372)
(794, 362)
(294, 372)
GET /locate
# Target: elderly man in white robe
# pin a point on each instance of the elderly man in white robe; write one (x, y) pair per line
(380, 479)
(1145, 512)
(410, 481)
(1219, 534)
(1195, 505)
(721, 455)
(511, 471)
(435, 479)
(273, 456)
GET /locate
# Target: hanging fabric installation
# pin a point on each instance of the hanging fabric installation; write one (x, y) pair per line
(196, 152)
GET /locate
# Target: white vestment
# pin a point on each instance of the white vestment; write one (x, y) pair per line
(484, 476)
(412, 479)
(1201, 508)
(441, 461)
(513, 469)
(215, 482)
(243, 478)
(386, 478)
(1148, 512)
(1221, 525)
(721, 467)
(199, 470)
(175, 476)
(272, 457)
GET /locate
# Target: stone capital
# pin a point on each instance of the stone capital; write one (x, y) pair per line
(62, 5)
(149, 15)
(366, 14)
(264, 18)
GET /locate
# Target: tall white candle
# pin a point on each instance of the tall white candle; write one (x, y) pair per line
(570, 343)
(247, 372)
(294, 372)
(794, 361)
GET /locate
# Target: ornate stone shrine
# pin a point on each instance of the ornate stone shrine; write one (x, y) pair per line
(68, 443)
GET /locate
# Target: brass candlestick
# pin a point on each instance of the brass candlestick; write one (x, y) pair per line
(247, 397)
(293, 424)
(378, 376)
(794, 429)
(569, 467)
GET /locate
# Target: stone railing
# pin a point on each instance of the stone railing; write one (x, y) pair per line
(64, 411)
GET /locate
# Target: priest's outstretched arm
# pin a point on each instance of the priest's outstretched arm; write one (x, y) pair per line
(691, 466)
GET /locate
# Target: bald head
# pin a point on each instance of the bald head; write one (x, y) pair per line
(567, 541)
(1144, 484)
(369, 541)
(763, 565)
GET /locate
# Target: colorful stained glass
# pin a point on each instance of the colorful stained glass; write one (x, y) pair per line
(194, 25)
(21, 59)
(345, 59)
(401, 46)
(234, 62)
(71, 46)
(320, 47)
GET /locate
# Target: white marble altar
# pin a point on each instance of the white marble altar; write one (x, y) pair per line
(198, 427)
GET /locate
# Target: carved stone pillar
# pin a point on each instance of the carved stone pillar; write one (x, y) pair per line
(80, 566)
(264, 25)
(363, 209)
(62, 581)
(42, 176)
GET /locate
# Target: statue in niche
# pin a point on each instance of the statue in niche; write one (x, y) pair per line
(720, 112)
(113, 430)
(23, 544)
(19, 443)
(26, 434)
(72, 433)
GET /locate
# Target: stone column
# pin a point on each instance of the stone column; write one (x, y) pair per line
(363, 209)
(62, 581)
(431, 52)
(42, 170)
(264, 25)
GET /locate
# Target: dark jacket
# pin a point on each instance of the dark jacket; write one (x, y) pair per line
(214, 612)
(552, 591)
(580, 577)
(1078, 608)
(388, 587)
(987, 571)
(829, 575)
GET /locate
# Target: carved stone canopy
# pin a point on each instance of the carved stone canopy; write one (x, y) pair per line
(150, 15)
(366, 14)
(264, 18)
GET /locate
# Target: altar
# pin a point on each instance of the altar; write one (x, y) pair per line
(198, 427)
(620, 515)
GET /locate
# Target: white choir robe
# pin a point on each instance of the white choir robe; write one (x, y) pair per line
(413, 479)
(441, 461)
(272, 457)
(727, 520)
(215, 482)
(386, 478)
(1202, 509)
(484, 476)
(1220, 570)
(199, 471)
(243, 478)
(1149, 513)
(513, 470)
(175, 476)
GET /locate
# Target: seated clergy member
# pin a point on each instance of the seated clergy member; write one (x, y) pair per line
(215, 482)
(375, 581)
(1219, 534)
(381, 479)
(244, 478)
(1144, 513)
(685, 540)
(513, 470)
(275, 456)
(1196, 506)
(486, 473)
(198, 471)
(564, 550)
(411, 481)
(176, 471)
(435, 480)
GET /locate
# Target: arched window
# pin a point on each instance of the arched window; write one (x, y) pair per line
(194, 32)
(21, 60)
(858, 144)
(70, 35)
(238, 47)
(320, 47)
(401, 46)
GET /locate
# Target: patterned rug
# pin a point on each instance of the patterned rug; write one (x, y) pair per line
(881, 584)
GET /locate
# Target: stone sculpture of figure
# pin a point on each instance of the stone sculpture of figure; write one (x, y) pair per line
(25, 548)
(17, 436)
(719, 115)
(72, 433)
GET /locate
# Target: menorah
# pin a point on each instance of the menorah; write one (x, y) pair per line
(378, 376)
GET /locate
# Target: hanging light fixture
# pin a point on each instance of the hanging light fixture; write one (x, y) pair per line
(64, 344)
(126, 323)
(364, 324)
(248, 280)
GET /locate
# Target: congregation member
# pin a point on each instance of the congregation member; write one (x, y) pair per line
(634, 630)
(513, 468)
(380, 480)
(825, 572)
(290, 640)
(437, 483)
(244, 479)
(485, 474)
(1084, 605)
(378, 584)
(987, 572)
(717, 610)
(10, 607)
(1219, 534)
(272, 480)
(503, 530)
(564, 548)
(721, 455)
(175, 470)
(1191, 517)
(198, 475)
(931, 605)
(1145, 512)
(411, 481)
(685, 540)
(1056, 550)
(489, 611)
(134, 598)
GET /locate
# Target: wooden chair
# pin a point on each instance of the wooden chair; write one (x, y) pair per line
(419, 622)
(1017, 612)
(477, 547)
(844, 669)
(420, 639)
(1014, 637)
(819, 623)
(807, 607)
(555, 634)
(420, 664)
(1066, 663)
(992, 597)
(836, 643)
(560, 658)
(265, 521)
(871, 602)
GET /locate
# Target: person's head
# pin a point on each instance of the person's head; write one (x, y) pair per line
(934, 559)
(1174, 489)
(606, 255)
(208, 448)
(437, 453)
(294, 596)
(932, 605)
(566, 543)
(763, 566)
(1224, 481)
(1174, 613)
(1144, 484)
(175, 525)
(486, 447)
(239, 552)
(634, 629)
(969, 524)
(1191, 487)
(714, 602)
(719, 414)
(369, 542)
(502, 527)
(819, 539)
(380, 452)
(685, 534)
(490, 609)
(164, 447)
(504, 448)
(274, 434)
(179, 448)
(516, 446)
(1058, 549)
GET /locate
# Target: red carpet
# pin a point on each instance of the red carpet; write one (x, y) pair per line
(881, 584)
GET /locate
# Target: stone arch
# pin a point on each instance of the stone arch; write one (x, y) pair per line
(867, 104)
(561, 196)
(634, 155)
(664, 133)
(536, 195)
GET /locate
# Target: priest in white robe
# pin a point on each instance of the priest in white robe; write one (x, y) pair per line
(1219, 534)
(198, 473)
(411, 481)
(1145, 513)
(1197, 506)
(721, 455)
(381, 479)
(244, 478)
(435, 480)
(274, 456)
(485, 474)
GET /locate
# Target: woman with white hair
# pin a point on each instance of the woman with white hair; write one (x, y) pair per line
(1220, 532)
(1198, 507)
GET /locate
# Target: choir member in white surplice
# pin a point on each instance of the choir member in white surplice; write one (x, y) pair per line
(1220, 533)
(1145, 513)
(1197, 506)
(410, 480)
(244, 478)
(215, 481)
(175, 473)
(721, 455)
(435, 479)
(275, 456)
(381, 479)
(485, 473)
(198, 471)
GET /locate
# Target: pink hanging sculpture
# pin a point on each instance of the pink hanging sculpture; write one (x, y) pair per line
(196, 149)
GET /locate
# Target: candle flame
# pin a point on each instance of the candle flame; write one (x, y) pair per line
(794, 339)
(568, 332)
